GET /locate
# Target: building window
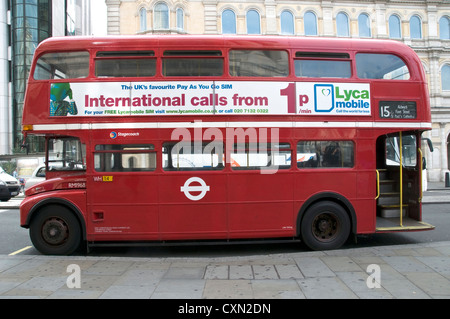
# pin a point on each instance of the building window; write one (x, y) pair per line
(394, 27)
(253, 22)
(161, 16)
(142, 19)
(310, 21)
(342, 25)
(415, 27)
(287, 22)
(31, 22)
(444, 28)
(228, 22)
(364, 26)
(180, 19)
(445, 77)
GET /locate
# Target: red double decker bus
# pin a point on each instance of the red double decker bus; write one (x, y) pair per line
(214, 138)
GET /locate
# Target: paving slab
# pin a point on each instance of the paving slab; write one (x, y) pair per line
(415, 271)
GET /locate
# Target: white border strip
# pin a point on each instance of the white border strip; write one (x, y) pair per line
(198, 124)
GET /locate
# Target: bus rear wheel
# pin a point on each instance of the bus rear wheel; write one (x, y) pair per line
(325, 226)
(55, 231)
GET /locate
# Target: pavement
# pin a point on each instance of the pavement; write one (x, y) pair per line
(412, 271)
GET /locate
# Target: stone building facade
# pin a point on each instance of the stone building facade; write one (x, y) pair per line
(422, 24)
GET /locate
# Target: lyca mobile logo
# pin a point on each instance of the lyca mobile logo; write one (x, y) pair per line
(342, 98)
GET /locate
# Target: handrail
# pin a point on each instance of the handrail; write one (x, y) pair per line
(378, 184)
(420, 176)
(401, 178)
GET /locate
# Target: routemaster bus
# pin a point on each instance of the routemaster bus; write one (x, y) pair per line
(200, 139)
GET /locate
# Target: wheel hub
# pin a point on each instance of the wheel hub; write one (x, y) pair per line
(325, 227)
(55, 231)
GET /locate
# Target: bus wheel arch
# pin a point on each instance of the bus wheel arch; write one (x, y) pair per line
(325, 221)
(56, 228)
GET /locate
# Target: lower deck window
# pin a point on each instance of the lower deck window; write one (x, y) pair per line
(187, 156)
(325, 154)
(250, 156)
(124, 158)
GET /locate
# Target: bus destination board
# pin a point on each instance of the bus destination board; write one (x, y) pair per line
(398, 110)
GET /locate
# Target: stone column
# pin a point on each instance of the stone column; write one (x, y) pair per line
(328, 24)
(381, 21)
(443, 137)
(271, 17)
(113, 7)
(210, 7)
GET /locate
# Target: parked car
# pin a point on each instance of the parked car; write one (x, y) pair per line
(5, 195)
(37, 177)
(12, 185)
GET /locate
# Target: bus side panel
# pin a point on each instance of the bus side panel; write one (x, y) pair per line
(260, 205)
(38, 96)
(123, 206)
(192, 205)
(365, 205)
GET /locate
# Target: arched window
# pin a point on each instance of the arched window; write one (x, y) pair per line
(445, 77)
(253, 22)
(228, 22)
(342, 25)
(180, 19)
(287, 22)
(161, 16)
(444, 28)
(310, 21)
(394, 27)
(415, 27)
(142, 19)
(364, 26)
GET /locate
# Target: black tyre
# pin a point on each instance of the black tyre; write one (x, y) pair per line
(324, 226)
(55, 230)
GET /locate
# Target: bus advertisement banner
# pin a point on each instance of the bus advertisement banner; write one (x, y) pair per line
(98, 99)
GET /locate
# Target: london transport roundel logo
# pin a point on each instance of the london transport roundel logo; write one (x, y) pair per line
(113, 135)
(187, 188)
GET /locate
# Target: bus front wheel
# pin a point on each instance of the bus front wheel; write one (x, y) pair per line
(55, 231)
(324, 226)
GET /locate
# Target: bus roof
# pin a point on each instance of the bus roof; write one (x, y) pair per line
(209, 41)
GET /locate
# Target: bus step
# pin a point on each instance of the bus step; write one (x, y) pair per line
(391, 211)
(389, 199)
(388, 185)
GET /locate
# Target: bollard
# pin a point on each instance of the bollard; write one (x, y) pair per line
(447, 179)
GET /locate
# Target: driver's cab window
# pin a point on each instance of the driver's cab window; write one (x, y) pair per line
(66, 153)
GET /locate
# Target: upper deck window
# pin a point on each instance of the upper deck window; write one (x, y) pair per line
(259, 63)
(62, 65)
(125, 64)
(322, 65)
(192, 63)
(381, 66)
